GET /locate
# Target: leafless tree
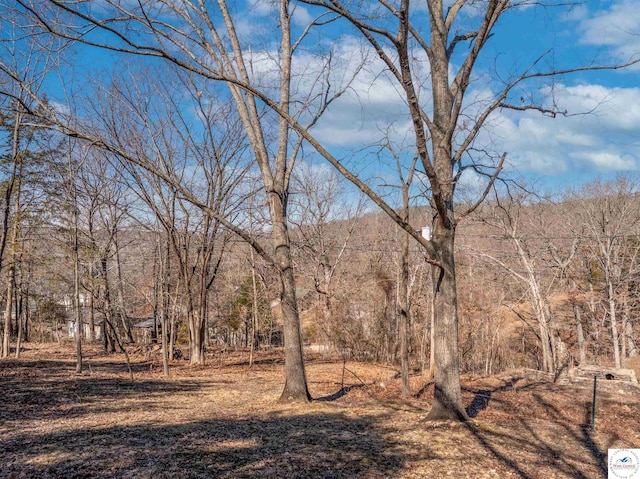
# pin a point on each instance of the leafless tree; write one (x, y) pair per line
(511, 216)
(610, 213)
(445, 132)
(30, 62)
(213, 50)
(406, 171)
(325, 218)
(211, 164)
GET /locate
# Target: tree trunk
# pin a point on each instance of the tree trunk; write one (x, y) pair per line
(579, 332)
(21, 318)
(447, 403)
(7, 312)
(126, 325)
(295, 388)
(432, 331)
(632, 349)
(197, 334)
(15, 161)
(254, 309)
(595, 330)
(623, 329)
(614, 324)
(628, 342)
(403, 307)
(200, 333)
(108, 329)
(164, 318)
(92, 313)
(172, 322)
(27, 309)
(76, 285)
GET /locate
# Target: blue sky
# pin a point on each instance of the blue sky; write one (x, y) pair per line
(599, 138)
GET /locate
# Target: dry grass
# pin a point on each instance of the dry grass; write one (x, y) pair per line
(223, 421)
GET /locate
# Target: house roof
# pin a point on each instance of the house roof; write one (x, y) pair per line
(147, 323)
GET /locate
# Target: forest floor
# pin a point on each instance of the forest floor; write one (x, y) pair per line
(223, 421)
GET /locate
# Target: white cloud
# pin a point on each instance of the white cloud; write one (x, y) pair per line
(262, 8)
(616, 108)
(372, 103)
(600, 133)
(617, 27)
(576, 13)
(609, 160)
(601, 136)
(470, 186)
(248, 30)
(60, 108)
(301, 16)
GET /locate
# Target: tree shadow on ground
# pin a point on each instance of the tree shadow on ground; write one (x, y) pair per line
(482, 397)
(343, 391)
(90, 366)
(46, 390)
(525, 432)
(303, 446)
(314, 445)
(529, 447)
(423, 390)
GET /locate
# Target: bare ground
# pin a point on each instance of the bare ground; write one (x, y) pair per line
(223, 421)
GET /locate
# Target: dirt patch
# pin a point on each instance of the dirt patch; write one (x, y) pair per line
(222, 421)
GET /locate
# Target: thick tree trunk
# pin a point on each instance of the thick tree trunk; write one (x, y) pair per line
(432, 333)
(447, 404)
(197, 337)
(295, 388)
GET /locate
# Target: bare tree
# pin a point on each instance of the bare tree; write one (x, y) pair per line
(30, 62)
(208, 158)
(610, 213)
(512, 217)
(445, 133)
(325, 219)
(14, 182)
(213, 50)
(406, 171)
